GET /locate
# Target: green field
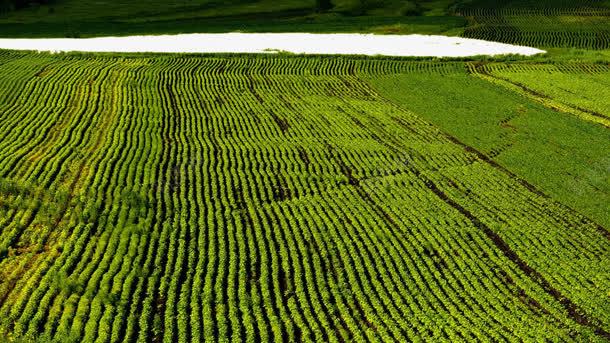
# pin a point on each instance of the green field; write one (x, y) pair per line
(190, 198)
(288, 198)
(550, 141)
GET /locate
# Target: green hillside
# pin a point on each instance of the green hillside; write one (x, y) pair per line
(79, 19)
(566, 24)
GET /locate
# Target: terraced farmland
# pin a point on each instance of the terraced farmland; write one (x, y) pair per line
(271, 199)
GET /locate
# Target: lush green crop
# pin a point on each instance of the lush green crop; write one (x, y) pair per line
(546, 122)
(273, 198)
(576, 86)
(582, 25)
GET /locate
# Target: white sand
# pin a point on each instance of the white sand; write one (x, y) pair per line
(298, 43)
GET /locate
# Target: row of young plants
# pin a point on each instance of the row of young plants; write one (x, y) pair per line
(548, 68)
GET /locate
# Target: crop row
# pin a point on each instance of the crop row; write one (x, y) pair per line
(522, 13)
